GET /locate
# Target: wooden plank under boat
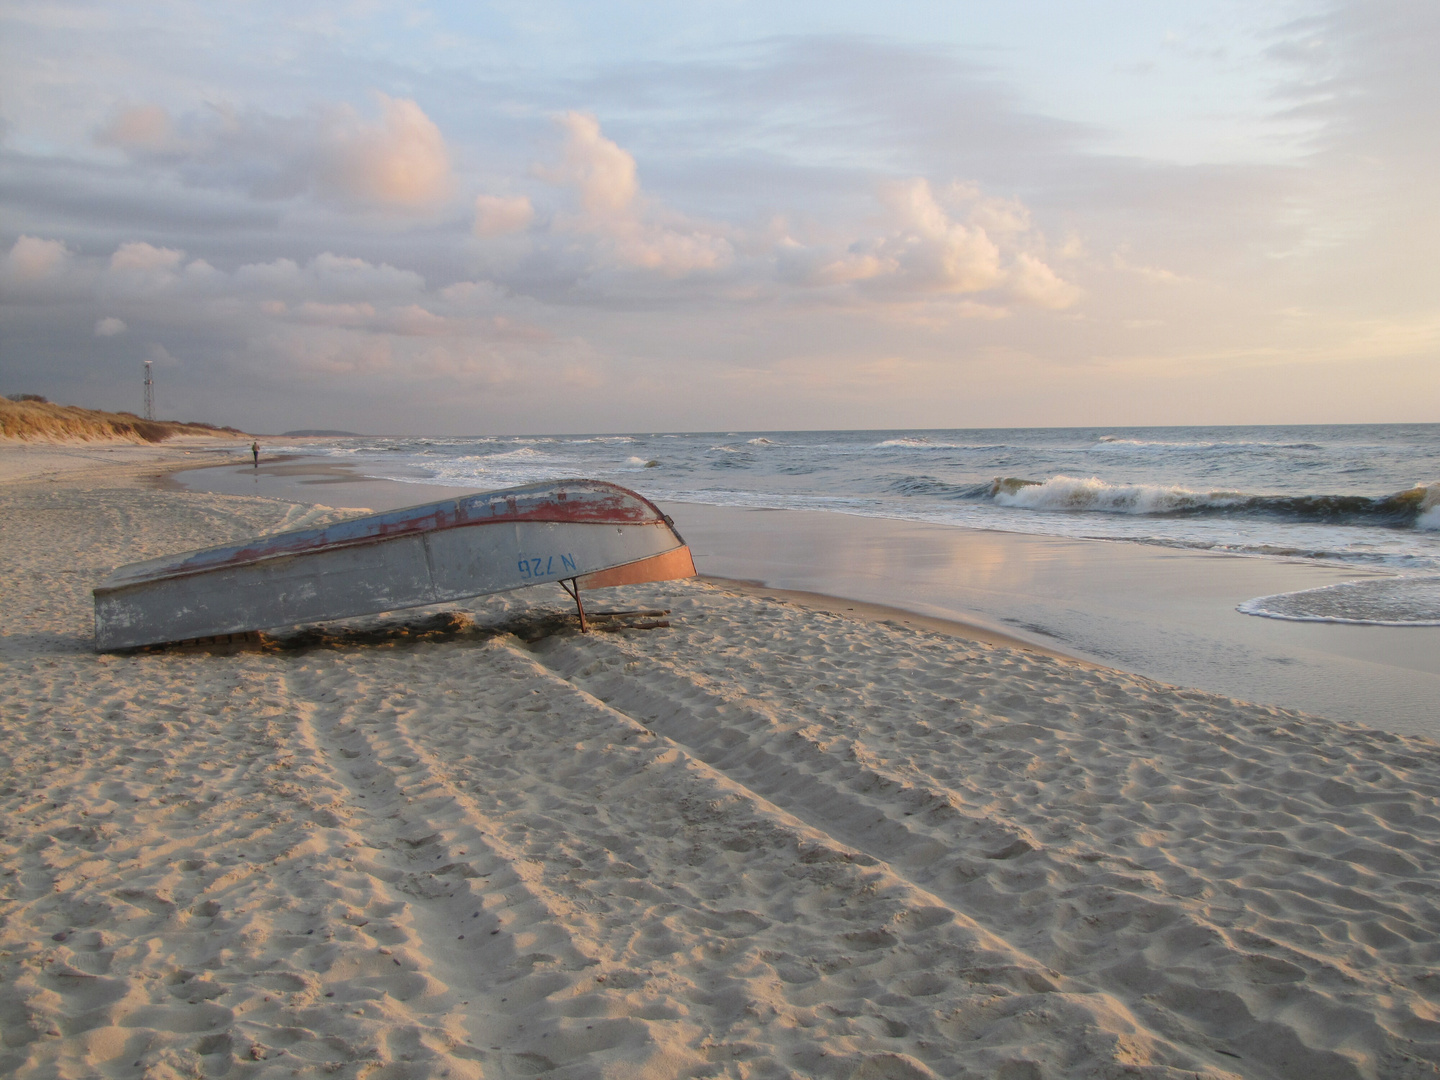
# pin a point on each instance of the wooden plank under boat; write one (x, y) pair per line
(581, 534)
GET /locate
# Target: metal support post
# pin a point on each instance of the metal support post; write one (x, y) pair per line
(573, 590)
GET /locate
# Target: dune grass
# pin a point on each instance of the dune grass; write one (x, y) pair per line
(42, 421)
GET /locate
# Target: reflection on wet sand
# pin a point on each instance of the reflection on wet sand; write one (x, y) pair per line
(1155, 611)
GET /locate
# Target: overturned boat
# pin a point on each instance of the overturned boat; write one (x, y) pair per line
(580, 534)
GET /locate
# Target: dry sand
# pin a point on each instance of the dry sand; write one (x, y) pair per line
(769, 841)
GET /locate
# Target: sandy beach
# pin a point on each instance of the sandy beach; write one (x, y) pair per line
(770, 840)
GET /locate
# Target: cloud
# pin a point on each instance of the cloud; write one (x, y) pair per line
(497, 216)
(137, 270)
(328, 277)
(1120, 261)
(1033, 281)
(321, 314)
(412, 320)
(401, 161)
(602, 173)
(159, 355)
(971, 244)
(141, 127)
(36, 269)
(929, 251)
(31, 258)
(633, 231)
(396, 161)
(333, 314)
(142, 256)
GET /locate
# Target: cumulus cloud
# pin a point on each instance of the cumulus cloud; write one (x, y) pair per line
(397, 161)
(937, 243)
(331, 289)
(954, 244)
(602, 173)
(331, 314)
(633, 231)
(318, 313)
(1034, 281)
(328, 277)
(142, 256)
(498, 216)
(930, 251)
(30, 258)
(39, 269)
(137, 270)
(980, 254)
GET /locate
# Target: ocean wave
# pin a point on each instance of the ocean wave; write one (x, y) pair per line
(920, 443)
(1417, 507)
(1398, 561)
(889, 444)
(732, 457)
(930, 485)
(1402, 601)
(1106, 441)
(1116, 442)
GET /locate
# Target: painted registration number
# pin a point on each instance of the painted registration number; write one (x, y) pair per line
(542, 566)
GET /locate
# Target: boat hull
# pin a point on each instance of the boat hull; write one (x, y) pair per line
(423, 555)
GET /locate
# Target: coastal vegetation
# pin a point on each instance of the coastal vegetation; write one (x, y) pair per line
(30, 418)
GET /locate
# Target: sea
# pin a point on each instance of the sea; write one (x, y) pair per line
(1360, 496)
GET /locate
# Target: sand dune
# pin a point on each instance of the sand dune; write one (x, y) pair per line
(45, 422)
(764, 842)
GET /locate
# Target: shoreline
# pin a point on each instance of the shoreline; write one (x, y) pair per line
(22, 461)
(1164, 613)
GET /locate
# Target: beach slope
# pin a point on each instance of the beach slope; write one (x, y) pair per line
(766, 841)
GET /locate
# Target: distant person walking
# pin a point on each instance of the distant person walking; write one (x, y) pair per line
(255, 449)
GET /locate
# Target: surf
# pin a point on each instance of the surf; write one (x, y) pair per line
(1416, 507)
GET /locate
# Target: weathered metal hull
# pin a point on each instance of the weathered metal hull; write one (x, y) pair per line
(579, 530)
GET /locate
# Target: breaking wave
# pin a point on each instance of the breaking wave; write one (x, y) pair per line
(1417, 507)
(1116, 442)
(921, 443)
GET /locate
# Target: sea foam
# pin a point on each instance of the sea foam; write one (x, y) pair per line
(1417, 507)
(1096, 495)
(1398, 601)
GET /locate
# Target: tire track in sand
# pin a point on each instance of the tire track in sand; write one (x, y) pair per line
(1127, 930)
(481, 944)
(697, 894)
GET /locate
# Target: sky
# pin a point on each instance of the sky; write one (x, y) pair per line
(494, 217)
